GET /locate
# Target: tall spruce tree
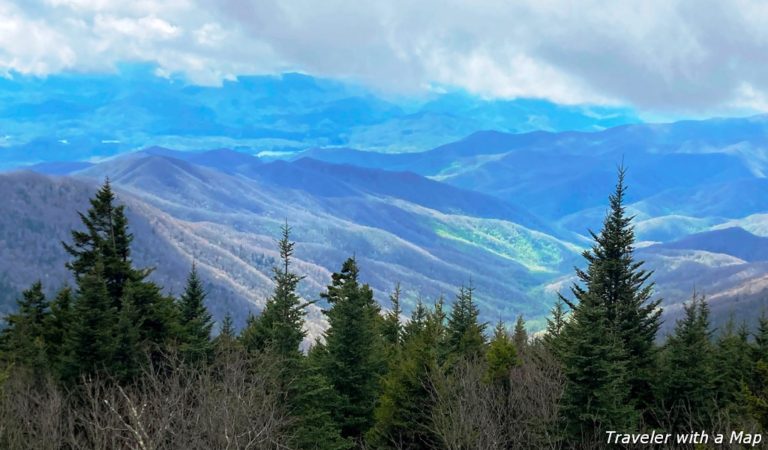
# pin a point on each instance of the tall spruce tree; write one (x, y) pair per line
(280, 325)
(520, 335)
(23, 338)
(352, 358)
(403, 412)
(465, 332)
(733, 366)
(226, 342)
(311, 397)
(417, 321)
(128, 356)
(597, 394)
(502, 356)
(56, 326)
(101, 259)
(620, 285)
(686, 380)
(155, 316)
(90, 342)
(555, 325)
(392, 329)
(195, 321)
(280, 330)
(105, 241)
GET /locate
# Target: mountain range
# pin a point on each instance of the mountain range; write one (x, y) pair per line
(509, 210)
(402, 227)
(77, 117)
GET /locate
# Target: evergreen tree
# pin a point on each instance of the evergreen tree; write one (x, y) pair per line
(90, 341)
(465, 332)
(520, 336)
(280, 330)
(280, 325)
(437, 319)
(128, 356)
(417, 322)
(101, 255)
(156, 316)
(555, 326)
(686, 381)
(501, 356)
(195, 321)
(733, 366)
(392, 328)
(403, 412)
(597, 394)
(105, 241)
(352, 357)
(252, 336)
(23, 339)
(56, 325)
(312, 397)
(227, 340)
(761, 339)
(619, 283)
(757, 394)
(756, 389)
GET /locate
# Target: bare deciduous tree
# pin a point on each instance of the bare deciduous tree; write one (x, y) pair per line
(472, 413)
(235, 404)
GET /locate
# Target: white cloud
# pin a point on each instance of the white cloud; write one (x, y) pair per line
(658, 55)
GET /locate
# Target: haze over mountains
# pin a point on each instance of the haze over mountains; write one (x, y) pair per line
(510, 209)
(66, 117)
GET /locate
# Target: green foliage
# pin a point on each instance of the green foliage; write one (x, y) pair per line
(761, 339)
(156, 315)
(280, 325)
(23, 340)
(107, 283)
(418, 321)
(520, 336)
(195, 321)
(279, 330)
(90, 340)
(619, 284)
(311, 397)
(372, 381)
(403, 413)
(105, 242)
(502, 355)
(392, 329)
(353, 357)
(555, 325)
(757, 395)
(128, 356)
(686, 382)
(733, 367)
(597, 394)
(56, 326)
(226, 341)
(465, 332)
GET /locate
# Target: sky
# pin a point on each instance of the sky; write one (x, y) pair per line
(662, 57)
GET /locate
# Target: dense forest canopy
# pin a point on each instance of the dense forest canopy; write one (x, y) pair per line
(113, 362)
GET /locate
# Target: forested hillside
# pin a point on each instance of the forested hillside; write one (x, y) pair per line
(222, 209)
(113, 362)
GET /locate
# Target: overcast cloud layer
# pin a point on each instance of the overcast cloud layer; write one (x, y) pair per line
(660, 56)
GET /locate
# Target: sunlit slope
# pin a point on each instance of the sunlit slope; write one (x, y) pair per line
(429, 241)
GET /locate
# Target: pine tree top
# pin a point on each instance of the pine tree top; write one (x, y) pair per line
(194, 315)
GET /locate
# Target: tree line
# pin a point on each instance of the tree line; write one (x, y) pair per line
(115, 363)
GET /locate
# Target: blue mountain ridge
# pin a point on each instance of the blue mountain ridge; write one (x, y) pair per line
(69, 116)
(733, 241)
